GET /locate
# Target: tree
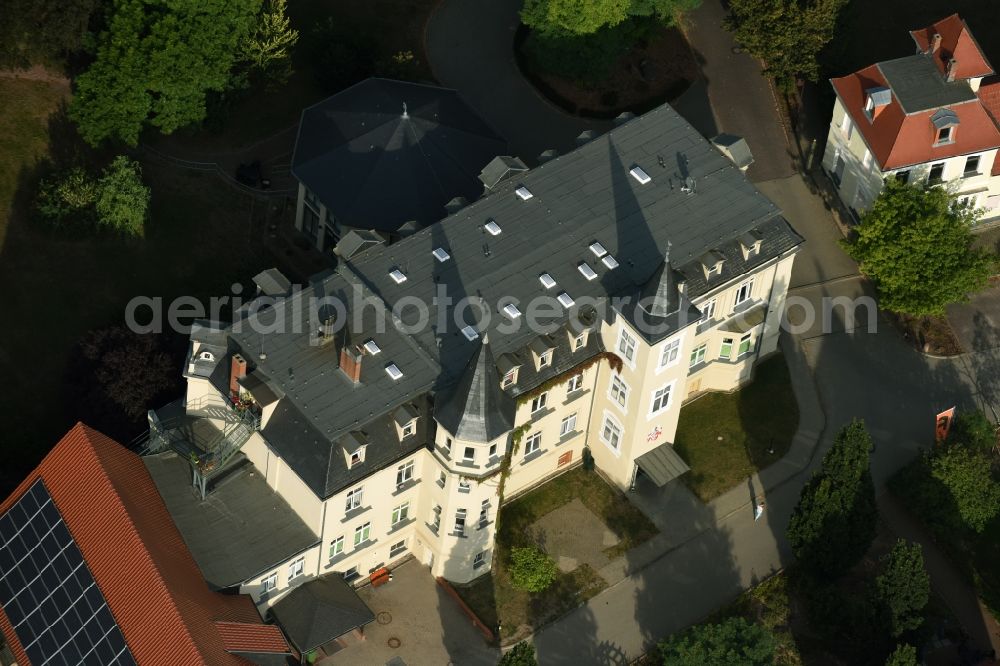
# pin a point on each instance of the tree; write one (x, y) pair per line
(787, 35)
(522, 654)
(903, 588)
(903, 655)
(42, 31)
(155, 63)
(975, 431)
(585, 17)
(268, 47)
(732, 642)
(68, 196)
(123, 200)
(833, 524)
(915, 243)
(531, 569)
(971, 498)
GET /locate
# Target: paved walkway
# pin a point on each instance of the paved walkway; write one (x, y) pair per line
(470, 47)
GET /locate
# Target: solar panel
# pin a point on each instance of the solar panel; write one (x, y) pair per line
(47, 591)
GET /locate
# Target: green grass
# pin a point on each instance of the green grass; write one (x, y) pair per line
(726, 437)
(496, 601)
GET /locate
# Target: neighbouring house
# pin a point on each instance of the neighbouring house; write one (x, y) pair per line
(387, 157)
(932, 117)
(93, 571)
(392, 435)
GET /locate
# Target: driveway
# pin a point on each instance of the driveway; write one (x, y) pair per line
(470, 47)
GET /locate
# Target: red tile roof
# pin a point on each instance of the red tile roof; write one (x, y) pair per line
(151, 583)
(956, 42)
(243, 637)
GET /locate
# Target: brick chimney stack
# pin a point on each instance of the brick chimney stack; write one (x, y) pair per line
(350, 362)
(237, 370)
(949, 72)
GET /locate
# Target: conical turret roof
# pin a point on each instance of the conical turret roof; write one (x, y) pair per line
(477, 409)
(661, 294)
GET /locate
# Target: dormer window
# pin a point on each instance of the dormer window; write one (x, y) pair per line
(545, 359)
(409, 428)
(944, 135)
(509, 379)
(869, 106)
(945, 123)
(542, 348)
(206, 356)
(750, 244)
(357, 457)
(579, 341)
(875, 100)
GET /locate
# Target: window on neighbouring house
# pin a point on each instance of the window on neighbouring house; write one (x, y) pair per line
(447, 444)
(743, 292)
(400, 513)
(295, 568)
(661, 399)
(404, 473)
(545, 359)
(442, 479)
(269, 583)
(936, 173)
(493, 450)
(619, 390)
(869, 106)
(707, 310)
(484, 513)
(944, 135)
(397, 548)
(575, 383)
(697, 355)
(746, 345)
(866, 161)
(354, 499)
(463, 486)
(538, 402)
(568, 425)
(460, 522)
(351, 573)
(533, 443)
(846, 125)
(362, 533)
(626, 345)
(358, 457)
(611, 433)
(479, 560)
(670, 353)
(509, 378)
(971, 165)
(469, 455)
(579, 341)
(436, 518)
(337, 546)
(408, 429)
(727, 348)
(903, 176)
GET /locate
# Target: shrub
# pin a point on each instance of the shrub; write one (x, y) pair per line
(522, 654)
(903, 588)
(974, 494)
(123, 201)
(67, 197)
(903, 655)
(734, 641)
(975, 431)
(531, 569)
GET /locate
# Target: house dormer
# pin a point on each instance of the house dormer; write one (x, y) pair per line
(876, 99)
(578, 333)
(945, 123)
(542, 349)
(508, 366)
(711, 264)
(354, 443)
(750, 244)
(405, 418)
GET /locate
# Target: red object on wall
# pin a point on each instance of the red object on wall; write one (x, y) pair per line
(379, 577)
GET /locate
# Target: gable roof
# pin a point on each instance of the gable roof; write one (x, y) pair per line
(136, 555)
(383, 152)
(956, 43)
(319, 611)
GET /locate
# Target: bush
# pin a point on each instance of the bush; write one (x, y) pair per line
(522, 654)
(531, 570)
(973, 492)
(903, 588)
(734, 641)
(903, 655)
(975, 431)
(123, 202)
(67, 197)
(588, 58)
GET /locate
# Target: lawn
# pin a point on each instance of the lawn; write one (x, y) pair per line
(726, 437)
(518, 613)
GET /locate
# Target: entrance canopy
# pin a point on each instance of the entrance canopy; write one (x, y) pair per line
(319, 611)
(662, 464)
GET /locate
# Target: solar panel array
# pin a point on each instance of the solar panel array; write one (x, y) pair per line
(48, 593)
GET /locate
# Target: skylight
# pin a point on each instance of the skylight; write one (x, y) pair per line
(372, 347)
(511, 311)
(598, 249)
(640, 175)
(524, 193)
(609, 261)
(397, 276)
(565, 300)
(393, 371)
(470, 333)
(493, 228)
(547, 280)
(586, 270)
(441, 254)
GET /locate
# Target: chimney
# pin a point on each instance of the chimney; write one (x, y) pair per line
(350, 362)
(237, 370)
(935, 42)
(949, 72)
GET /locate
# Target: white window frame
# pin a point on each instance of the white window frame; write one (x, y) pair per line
(337, 546)
(545, 359)
(723, 352)
(493, 450)
(965, 167)
(671, 354)
(698, 355)
(575, 383)
(404, 473)
(466, 457)
(479, 560)
(484, 513)
(613, 442)
(269, 582)
(626, 346)
(866, 161)
(400, 513)
(447, 444)
(747, 338)
(579, 341)
(746, 290)
(460, 520)
(539, 401)
(532, 443)
(358, 457)
(509, 379)
(568, 425)
(364, 532)
(618, 392)
(397, 548)
(296, 568)
(707, 310)
(408, 429)
(354, 499)
(661, 399)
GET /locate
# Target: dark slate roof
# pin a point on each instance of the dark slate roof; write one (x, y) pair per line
(273, 282)
(660, 295)
(476, 409)
(736, 147)
(376, 167)
(241, 530)
(319, 611)
(920, 86)
(499, 168)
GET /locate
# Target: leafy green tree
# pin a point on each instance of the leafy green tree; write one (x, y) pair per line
(787, 35)
(123, 201)
(584, 17)
(731, 642)
(268, 47)
(903, 588)
(903, 655)
(155, 63)
(966, 481)
(974, 430)
(915, 243)
(833, 524)
(531, 569)
(42, 31)
(67, 197)
(522, 654)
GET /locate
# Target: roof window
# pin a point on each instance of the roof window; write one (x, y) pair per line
(524, 193)
(393, 371)
(565, 300)
(640, 175)
(371, 347)
(470, 333)
(397, 276)
(493, 228)
(598, 249)
(586, 270)
(511, 311)
(547, 280)
(610, 261)
(441, 254)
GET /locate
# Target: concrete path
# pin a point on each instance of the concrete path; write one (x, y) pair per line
(470, 47)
